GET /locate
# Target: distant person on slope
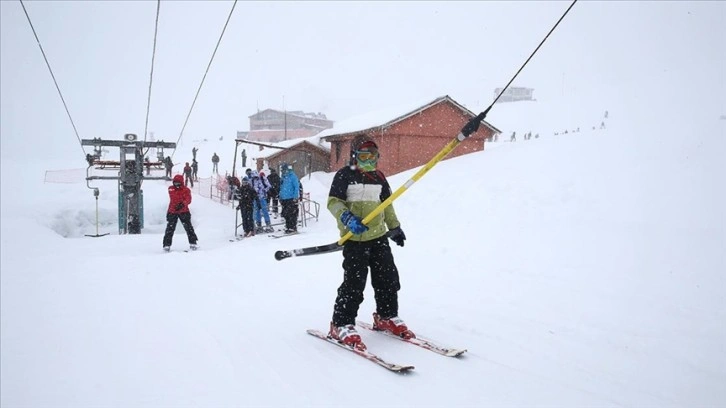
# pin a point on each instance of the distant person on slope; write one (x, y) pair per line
(179, 199)
(195, 170)
(215, 163)
(357, 189)
(168, 165)
(188, 179)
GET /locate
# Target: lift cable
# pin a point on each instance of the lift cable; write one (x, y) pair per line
(53, 76)
(204, 77)
(531, 55)
(151, 75)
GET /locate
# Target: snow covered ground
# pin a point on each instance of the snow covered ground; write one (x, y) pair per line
(579, 270)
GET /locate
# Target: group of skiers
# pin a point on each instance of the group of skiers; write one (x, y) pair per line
(254, 191)
(356, 191)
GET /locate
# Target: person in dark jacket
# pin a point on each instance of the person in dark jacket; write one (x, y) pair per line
(195, 170)
(273, 194)
(356, 191)
(168, 165)
(247, 196)
(188, 179)
(179, 199)
(215, 163)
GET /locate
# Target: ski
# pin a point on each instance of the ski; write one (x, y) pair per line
(315, 250)
(365, 354)
(242, 237)
(418, 341)
(282, 235)
(280, 255)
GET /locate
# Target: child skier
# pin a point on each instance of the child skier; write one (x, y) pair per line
(355, 192)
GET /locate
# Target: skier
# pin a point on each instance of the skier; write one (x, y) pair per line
(261, 186)
(289, 195)
(247, 197)
(179, 199)
(355, 192)
(274, 192)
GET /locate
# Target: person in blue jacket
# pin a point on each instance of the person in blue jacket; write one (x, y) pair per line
(289, 196)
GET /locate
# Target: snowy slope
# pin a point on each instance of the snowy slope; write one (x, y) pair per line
(579, 270)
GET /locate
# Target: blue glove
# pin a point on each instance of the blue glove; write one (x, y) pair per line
(397, 236)
(353, 223)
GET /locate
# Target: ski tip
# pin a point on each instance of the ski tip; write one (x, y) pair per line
(280, 255)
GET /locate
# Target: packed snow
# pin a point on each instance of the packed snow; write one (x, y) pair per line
(578, 270)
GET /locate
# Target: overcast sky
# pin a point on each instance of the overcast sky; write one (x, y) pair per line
(338, 58)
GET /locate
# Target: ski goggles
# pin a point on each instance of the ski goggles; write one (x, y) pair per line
(367, 155)
(177, 184)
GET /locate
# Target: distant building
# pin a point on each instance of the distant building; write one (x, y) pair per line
(514, 94)
(271, 125)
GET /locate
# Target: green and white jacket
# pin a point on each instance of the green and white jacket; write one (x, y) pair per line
(360, 193)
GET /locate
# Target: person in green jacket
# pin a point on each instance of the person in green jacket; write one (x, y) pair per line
(357, 189)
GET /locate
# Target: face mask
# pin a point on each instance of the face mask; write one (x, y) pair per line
(177, 185)
(367, 159)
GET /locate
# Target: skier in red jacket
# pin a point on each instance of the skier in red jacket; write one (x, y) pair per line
(179, 199)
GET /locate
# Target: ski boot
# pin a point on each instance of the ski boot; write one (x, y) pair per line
(394, 325)
(346, 335)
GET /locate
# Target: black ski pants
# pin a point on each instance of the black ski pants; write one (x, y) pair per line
(186, 220)
(272, 198)
(357, 258)
(248, 224)
(290, 212)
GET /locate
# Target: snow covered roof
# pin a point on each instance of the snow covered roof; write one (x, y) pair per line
(387, 117)
(286, 144)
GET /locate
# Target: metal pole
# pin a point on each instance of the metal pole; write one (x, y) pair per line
(234, 162)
